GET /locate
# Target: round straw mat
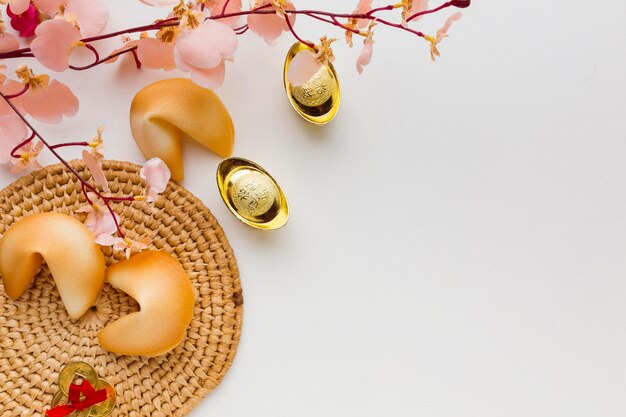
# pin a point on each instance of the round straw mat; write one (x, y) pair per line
(37, 338)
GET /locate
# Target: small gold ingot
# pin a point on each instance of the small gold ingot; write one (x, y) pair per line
(252, 194)
(75, 370)
(317, 100)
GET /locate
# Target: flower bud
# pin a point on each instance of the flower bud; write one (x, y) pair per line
(462, 4)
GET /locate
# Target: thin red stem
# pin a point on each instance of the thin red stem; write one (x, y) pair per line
(422, 13)
(225, 6)
(22, 91)
(293, 32)
(65, 145)
(14, 153)
(63, 161)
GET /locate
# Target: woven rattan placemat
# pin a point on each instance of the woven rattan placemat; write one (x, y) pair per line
(37, 338)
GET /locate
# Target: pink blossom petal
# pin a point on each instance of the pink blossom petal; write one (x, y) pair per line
(417, 7)
(12, 132)
(365, 57)
(206, 46)
(55, 39)
(271, 26)
(101, 222)
(50, 7)
(19, 6)
(11, 87)
(364, 6)
(155, 54)
(127, 44)
(108, 240)
(443, 32)
(157, 175)
(50, 103)
(210, 78)
(302, 67)
(234, 6)
(92, 16)
(8, 42)
(95, 168)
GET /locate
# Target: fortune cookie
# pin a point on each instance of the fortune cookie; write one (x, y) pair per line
(166, 299)
(66, 245)
(163, 112)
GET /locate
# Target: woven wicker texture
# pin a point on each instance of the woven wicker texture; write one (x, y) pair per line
(37, 338)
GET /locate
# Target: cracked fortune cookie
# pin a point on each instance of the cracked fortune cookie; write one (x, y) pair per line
(75, 261)
(165, 112)
(166, 299)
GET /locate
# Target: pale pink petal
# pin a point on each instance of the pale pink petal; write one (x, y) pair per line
(210, 78)
(101, 222)
(108, 240)
(157, 175)
(8, 42)
(206, 46)
(302, 67)
(417, 7)
(95, 168)
(155, 54)
(271, 26)
(55, 39)
(365, 56)
(443, 32)
(364, 6)
(11, 87)
(92, 16)
(234, 6)
(19, 6)
(50, 7)
(49, 104)
(12, 132)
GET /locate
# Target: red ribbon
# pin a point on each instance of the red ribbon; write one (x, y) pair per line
(92, 397)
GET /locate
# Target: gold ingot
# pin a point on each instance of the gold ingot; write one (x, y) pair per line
(252, 194)
(74, 370)
(61, 399)
(317, 100)
(104, 408)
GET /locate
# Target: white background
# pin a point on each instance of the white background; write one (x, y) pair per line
(457, 241)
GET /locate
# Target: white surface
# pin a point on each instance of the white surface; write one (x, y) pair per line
(457, 244)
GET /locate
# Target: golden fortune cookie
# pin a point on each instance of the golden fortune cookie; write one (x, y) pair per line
(166, 299)
(75, 261)
(166, 111)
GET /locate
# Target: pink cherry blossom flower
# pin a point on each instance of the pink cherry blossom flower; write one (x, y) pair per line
(202, 52)
(46, 100)
(12, 132)
(306, 63)
(365, 57)
(123, 244)
(156, 54)
(156, 174)
(11, 87)
(410, 7)
(54, 43)
(27, 157)
(19, 6)
(442, 33)
(24, 22)
(94, 164)
(99, 220)
(90, 16)
(271, 26)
